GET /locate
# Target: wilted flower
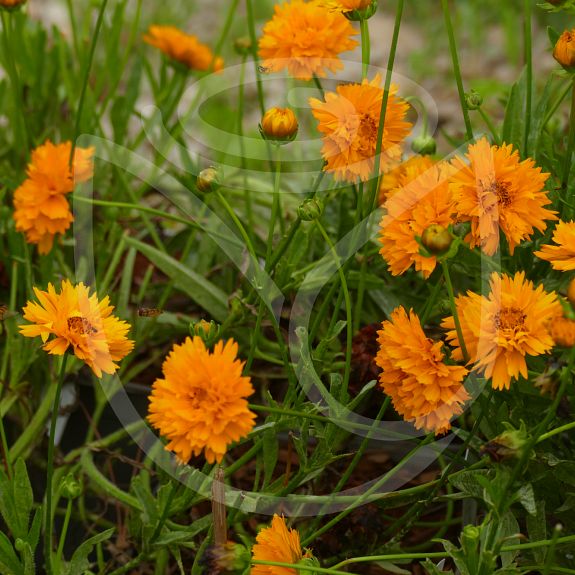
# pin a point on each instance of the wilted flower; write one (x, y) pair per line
(183, 48)
(500, 330)
(41, 209)
(305, 38)
(199, 404)
(349, 122)
(422, 387)
(496, 191)
(81, 321)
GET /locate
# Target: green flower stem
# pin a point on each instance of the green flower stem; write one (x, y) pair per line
(49, 521)
(239, 225)
(449, 286)
(165, 512)
(529, 72)
(275, 205)
(365, 47)
(385, 99)
(348, 312)
(569, 152)
(490, 126)
(254, 41)
(63, 533)
(456, 68)
(231, 16)
(424, 316)
(556, 431)
(20, 126)
(556, 104)
(74, 27)
(86, 78)
(306, 567)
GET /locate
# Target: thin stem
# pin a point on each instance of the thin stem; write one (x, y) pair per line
(556, 431)
(238, 225)
(254, 41)
(241, 105)
(365, 47)
(383, 110)
(50, 468)
(63, 536)
(348, 312)
(489, 125)
(456, 68)
(86, 78)
(449, 286)
(529, 70)
(570, 146)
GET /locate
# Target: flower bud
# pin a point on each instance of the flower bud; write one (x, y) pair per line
(311, 209)
(361, 9)
(424, 145)
(310, 560)
(509, 444)
(71, 487)
(279, 125)
(243, 46)
(564, 51)
(230, 557)
(473, 100)
(11, 4)
(209, 332)
(436, 239)
(208, 180)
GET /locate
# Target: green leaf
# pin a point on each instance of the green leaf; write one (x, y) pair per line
(79, 562)
(553, 35)
(514, 122)
(537, 530)
(202, 291)
(527, 498)
(151, 514)
(270, 454)
(9, 562)
(34, 533)
(468, 482)
(23, 496)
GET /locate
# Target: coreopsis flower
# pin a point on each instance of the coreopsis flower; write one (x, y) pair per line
(424, 201)
(72, 318)
(423, 388)
(41, 209)
(276, 543)
(199, 404)
(500, 330)
(183, 48)
(564, 50)
(279, 124)
(562, 330)
(399, 176)
(306, 38)
(349, 122)
(561, 256)
(12, 4)
(498, 192)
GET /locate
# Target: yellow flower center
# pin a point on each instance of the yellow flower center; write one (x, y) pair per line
(367, 128)
(501, 190)
(510, 318)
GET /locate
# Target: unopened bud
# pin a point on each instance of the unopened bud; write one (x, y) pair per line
(424, 145)
(507, 445)
(209, 332)
(362, 10)
(473, 100)
(436, 239)
(71, 487)
(227, 558)
(208, 180)
(279, 125)
(311, 209)
(243, 45)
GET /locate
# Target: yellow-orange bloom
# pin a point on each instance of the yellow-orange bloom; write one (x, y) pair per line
(305, 38)
(561, 256)
(562, 331)
(279, 124)
(399, 176)
(500, 330)
(422, 387)
(41, 209)
(276, 543)
(346, 5)
(200, 402)
(424, 201)
(183, 48)
(496, 191)
(79, 320)
(10, 4)
(349, 122)
(564, 51)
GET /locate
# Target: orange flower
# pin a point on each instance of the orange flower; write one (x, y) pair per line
(349, 121)
(276, 543)
(561, 256)
(183, 48)
(564, 50)
(80, 320)
(500, 330)
(10, 4)
(422, 387)
(424, 201)
(346, 5)
(399, 176)
(41, 209)
(305, 38)
(279, 124)
(200, 402)
(497, 191)
(562, 331)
